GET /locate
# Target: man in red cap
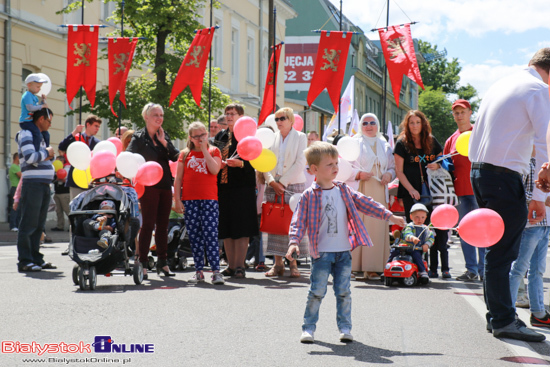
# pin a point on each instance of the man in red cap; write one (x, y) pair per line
(462, 112)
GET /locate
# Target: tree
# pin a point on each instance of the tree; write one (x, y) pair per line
(437, 108)
(164, 24)
(439, 73)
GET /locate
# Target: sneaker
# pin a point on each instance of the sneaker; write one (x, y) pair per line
(446, 275)
(217, 278)
(15, 229)
(433, 274)
(467, 276)
(307, 337)
(345, 336)
(522, 302)
(66, 252)
(198, 277)
(47, 239)
(517, 330)
(544, 322)
(424, 274)
(103, 242)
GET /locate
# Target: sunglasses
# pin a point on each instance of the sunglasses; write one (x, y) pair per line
(367, 123)
(282, 118)
(198, 136)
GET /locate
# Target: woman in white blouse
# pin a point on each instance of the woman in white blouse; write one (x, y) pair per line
(376, 169)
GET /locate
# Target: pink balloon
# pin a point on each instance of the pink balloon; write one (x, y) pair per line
(140, 189)
(149, 174)
(298, 122)
(245, 126)
(102, 164)
(481, 227)
(445, 216)
(173, 168)
(249, 148)
(118, 144)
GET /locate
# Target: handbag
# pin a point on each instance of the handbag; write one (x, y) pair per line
(276, 217)
(441, 187)
(425, 196)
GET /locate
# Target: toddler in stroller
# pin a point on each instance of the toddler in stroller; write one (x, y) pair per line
(101, 225)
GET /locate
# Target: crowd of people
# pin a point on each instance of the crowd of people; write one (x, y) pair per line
(342, 227)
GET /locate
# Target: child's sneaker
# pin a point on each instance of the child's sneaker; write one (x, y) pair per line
(198, 277)
(424, 274)
(345, 336)
(217, 278)
(307, 337)
(522, 301)
(103, 242)
(543, 322)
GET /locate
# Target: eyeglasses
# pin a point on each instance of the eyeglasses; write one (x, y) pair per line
(282, 118)
(199, 136)
(367, 123)
(231, 114)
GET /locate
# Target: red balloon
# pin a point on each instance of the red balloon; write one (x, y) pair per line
(140, 189)
(249, 148)
(118, 144)
(102, 164)
(298, 122)
(444, 216)
(481, 227)
(61, 174)
(245, 126)
(149, 174)
(173, 168)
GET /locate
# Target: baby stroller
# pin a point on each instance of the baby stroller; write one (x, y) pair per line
(179, 247)
(92, 259)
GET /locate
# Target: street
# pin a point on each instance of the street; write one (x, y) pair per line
(253, 321)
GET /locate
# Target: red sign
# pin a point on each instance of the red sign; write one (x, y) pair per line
(300, 62)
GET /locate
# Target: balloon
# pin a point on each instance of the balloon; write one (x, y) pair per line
(61, 174)
(444, 216)
(173, 168)
(265, 162)
(266, 136)
(118, 144)
(463, 143)
(57, 165)
(481, 227)
(293, 203)
(79, 155)
(245, 126)
(249, 148)
(298, 122)
(344, 170)
(46, 87)
(106, 145)
(149, 174)
(270, 121)
(127, 164)
(140, 189)
(348, 148)
(82, 178)
(138, 158)
(103, 163)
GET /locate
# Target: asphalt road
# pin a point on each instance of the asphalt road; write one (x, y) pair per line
(253, 321)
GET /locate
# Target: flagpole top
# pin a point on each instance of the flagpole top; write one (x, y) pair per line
(400, 25)
(85, 25)
(328, 32)
(216, 27)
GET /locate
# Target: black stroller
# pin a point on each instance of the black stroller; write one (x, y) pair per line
(92, 259)
(179, 247)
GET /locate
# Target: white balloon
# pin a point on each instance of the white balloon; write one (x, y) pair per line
(105, 145)
(293, 203)
(79, 155)
(348, 148)
(139, 159)
(46, 87)
(270, 121)
(344, 170)
(266, 136)
(127, 164)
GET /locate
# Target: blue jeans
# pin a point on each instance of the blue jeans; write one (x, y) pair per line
(415, 254)
(339, 265)
(34, 202)
(532, 257)
(474, 262)
(504, 193)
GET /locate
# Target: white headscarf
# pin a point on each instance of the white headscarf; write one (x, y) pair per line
(368, 157)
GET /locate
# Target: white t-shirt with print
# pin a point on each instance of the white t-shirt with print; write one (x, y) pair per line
(334, 231)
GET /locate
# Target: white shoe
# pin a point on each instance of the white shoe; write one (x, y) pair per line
(15, 229)
(307, 337)
(217, 278)
(345, 336)
(522, 302)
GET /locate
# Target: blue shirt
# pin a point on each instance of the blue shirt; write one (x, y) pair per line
(29, 103)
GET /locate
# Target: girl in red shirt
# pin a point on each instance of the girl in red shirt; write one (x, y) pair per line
(196, 189)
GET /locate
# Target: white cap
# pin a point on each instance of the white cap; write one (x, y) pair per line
(419, 206)
(107, 203)
(34, 78)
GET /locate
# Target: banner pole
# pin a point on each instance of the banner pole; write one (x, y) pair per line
(340, 93)
(119, 100)
(274, 59)
(383, 127)
(210, 75)
(80, 109)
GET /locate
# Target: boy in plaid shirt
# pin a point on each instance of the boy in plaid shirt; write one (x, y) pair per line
(329, 210)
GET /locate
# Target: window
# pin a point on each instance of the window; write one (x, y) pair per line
(250, 59)
(235, 60)
(107, 10)
(217, 46)
(74, 17)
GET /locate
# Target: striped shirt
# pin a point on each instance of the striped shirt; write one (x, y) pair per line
(308, 216)
(34, 164)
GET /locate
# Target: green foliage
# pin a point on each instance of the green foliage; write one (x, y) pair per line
(436, 107)
(439, 73)
(469, 93)
(168, 28)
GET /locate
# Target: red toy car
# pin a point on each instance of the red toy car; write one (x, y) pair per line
(403, 268)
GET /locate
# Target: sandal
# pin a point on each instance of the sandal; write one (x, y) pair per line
(276, 270)
(294, 272)
(228, 272)
(239, 273)
(29, 268)
(48, 265)
(261, 267)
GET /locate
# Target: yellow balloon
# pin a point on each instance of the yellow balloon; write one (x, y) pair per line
(57, 165)
(463, 143)
(265, 162)
(82, 178)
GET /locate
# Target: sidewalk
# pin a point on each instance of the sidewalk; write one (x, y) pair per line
(8, 237)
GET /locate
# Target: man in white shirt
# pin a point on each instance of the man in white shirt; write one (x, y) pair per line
(513, 117)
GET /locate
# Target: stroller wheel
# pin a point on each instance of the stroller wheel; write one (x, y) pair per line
(151, 263)
(138, 273)
(81, 279)
(92, 278)
(183, 263)
(76, 268)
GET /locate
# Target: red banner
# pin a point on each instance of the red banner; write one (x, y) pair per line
(191, 72)
(398, 48)
(330, 66)
(121, 52)
(268, 104)
(82, 61)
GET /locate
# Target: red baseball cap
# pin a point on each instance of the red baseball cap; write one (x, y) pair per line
(462, 103)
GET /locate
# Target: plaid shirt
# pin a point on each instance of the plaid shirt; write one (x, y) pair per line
(529, 184)
(309, 211)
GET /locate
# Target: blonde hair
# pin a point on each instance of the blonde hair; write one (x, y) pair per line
(197, 125)
(315, 152)
(148, 107)
(126, 138)
(288, 112)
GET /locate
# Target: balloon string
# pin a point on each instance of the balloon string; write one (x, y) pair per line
(361, 168)
(445, 157)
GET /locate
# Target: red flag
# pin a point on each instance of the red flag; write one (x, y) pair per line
(398, 48)
(191, 72)
(121, 53)
(268, 104)
(82, 61)
(330, 66)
